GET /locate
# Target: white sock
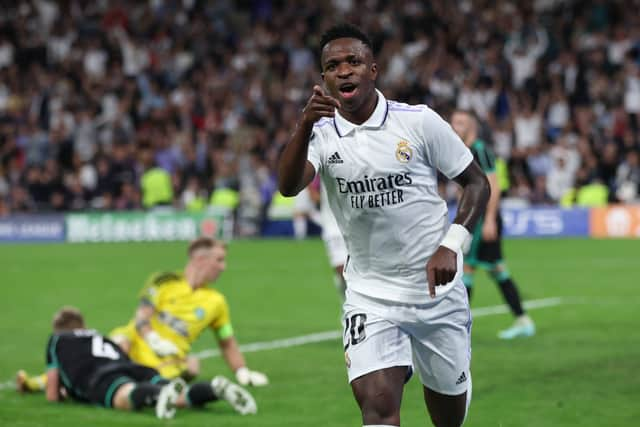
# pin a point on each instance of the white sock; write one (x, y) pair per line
(300, 227)
(378, 425)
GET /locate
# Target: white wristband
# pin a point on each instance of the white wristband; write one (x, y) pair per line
(456, 238)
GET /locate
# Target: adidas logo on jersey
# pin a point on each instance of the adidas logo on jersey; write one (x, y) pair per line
(335, 159)
(463, 378)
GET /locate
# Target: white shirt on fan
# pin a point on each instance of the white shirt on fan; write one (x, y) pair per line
(381, 183)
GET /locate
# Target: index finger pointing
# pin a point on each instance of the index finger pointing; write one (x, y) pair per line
(318, 90)
(326, 100)
(431, 281)
(334, 101)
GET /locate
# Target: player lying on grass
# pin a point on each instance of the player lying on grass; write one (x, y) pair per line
(174, 310)
(87, 367)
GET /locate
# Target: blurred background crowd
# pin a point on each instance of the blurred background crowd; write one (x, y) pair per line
(122, 105)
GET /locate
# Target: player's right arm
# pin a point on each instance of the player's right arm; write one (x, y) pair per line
(160, 346)
(53, 385)
(295, 172)
(143, 318)
(146, 309)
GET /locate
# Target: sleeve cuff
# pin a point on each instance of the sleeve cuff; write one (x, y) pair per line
(225, 332)
(464, 163)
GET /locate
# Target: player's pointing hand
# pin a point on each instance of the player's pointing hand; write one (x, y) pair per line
(319, 105)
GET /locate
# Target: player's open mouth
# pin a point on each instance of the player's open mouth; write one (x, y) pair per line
(348, 90)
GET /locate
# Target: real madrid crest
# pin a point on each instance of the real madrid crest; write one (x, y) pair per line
(404, 152)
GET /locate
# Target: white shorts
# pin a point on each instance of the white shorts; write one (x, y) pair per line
(433, 339)
(336, 250)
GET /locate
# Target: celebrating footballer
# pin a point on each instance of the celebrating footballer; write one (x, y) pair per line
(406, 306)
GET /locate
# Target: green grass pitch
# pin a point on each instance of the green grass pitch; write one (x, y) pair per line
(581, 369)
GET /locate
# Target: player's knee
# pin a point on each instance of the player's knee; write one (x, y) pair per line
(141, 395)
(192, 368)
(450, 420)
(380, 407)
(447, 411)
(121, 397)
(453, 418)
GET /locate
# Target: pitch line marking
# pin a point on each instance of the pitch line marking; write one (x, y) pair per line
(335, 334)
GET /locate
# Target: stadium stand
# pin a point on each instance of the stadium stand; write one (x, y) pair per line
(115, 105)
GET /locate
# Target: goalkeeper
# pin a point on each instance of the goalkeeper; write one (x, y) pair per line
(174, 309)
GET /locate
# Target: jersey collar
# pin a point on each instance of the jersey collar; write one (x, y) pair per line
(376, 120)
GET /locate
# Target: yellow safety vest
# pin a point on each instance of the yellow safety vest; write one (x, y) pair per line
(197, 204)
(156, 187)
(502, 173)
(593, 195)
(224, 198)
(281, 207)
(568, 198)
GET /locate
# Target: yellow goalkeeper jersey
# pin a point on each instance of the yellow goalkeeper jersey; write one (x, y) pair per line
(182, 313)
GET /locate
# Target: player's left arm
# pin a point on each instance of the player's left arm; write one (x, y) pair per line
(230, 349)
(231, 353)
(234, 358)
(476, 190)
(442, 266)
(446, 151)
(53, 385)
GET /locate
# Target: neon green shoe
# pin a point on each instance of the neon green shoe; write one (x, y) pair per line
(522, 327)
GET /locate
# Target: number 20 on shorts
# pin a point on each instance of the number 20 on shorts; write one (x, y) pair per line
(354, 329)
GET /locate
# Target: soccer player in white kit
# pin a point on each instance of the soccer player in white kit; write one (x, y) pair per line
(406, 307)
(333, 242)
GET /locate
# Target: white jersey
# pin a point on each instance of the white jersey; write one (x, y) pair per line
(381, 182)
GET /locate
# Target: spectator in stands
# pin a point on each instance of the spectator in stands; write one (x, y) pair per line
(628, 178)
(93, 86)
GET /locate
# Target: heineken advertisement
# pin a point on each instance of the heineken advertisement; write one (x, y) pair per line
(144, 226)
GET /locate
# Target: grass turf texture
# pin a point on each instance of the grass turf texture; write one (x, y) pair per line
(581, 369)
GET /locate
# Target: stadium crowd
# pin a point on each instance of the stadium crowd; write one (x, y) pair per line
(97, 96)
